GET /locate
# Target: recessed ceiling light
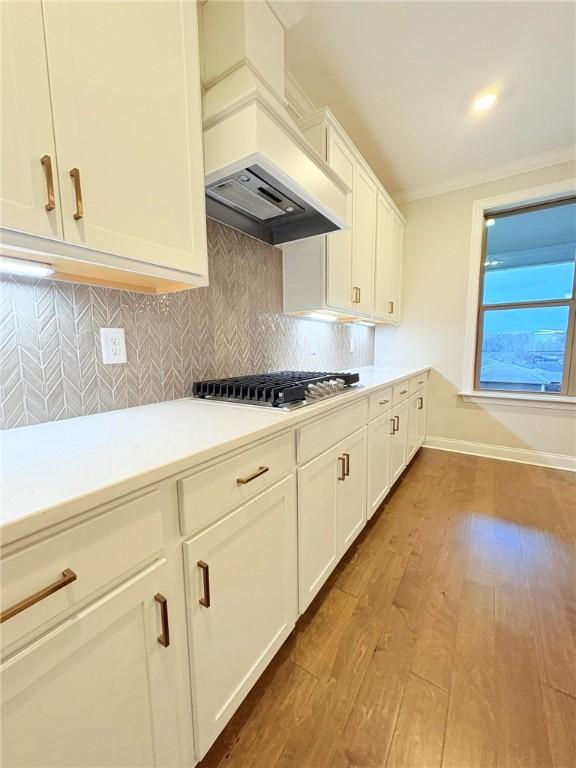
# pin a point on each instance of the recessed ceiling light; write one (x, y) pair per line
(12, 266)
(484, 102)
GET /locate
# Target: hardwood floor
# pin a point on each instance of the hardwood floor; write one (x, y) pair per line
(446, 636)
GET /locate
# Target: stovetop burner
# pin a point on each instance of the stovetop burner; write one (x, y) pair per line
(281, 389)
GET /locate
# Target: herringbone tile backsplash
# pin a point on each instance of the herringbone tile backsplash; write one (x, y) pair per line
(50, 359)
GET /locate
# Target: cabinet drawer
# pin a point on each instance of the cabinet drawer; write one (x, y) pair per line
(209, 494)
(95, 552)
(418, 382)
(379, 403)
(401, 391)
(317, 437)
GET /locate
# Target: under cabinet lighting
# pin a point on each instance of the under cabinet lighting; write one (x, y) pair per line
(322, 316)
(11, 266)
(365, 322)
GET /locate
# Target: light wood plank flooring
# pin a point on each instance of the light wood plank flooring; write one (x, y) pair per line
(446, 636)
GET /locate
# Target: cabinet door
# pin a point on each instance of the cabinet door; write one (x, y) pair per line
(317, 529)
(99, 689)
(422, 408)
(396, 266)
(379, 439)
(27, 133)
(339, 244)
(399, 442)
(242, 600)
(412, 444)
(383, 303)
(351, 492)
(124, 78)
(364, 236)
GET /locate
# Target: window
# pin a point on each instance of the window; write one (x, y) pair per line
(527, 305)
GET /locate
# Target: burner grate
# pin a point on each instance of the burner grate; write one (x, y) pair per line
(281, 388)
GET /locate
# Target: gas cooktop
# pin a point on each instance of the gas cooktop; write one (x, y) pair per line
(281, 389)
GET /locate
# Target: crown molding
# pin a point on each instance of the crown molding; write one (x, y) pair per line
(298, 100)
(532, 163)
(287, 13)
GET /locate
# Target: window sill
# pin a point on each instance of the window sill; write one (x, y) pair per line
(521, 400)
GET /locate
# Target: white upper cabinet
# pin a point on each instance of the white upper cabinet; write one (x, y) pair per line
(354, 273)
(29, 178)
(339, 245)
(389, 259)
(364, 236)
(124, 106)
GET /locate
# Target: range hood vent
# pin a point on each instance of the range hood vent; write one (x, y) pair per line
(261, 175)
(252, 201)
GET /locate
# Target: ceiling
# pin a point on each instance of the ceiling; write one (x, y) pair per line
(401, 76)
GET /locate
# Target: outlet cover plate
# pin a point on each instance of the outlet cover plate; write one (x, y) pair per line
(113, 341)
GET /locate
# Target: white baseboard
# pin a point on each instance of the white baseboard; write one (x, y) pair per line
(502, 452)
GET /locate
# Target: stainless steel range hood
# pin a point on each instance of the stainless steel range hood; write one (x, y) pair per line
(262, 176)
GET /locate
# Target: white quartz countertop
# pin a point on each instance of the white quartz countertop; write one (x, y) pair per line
(50, 472)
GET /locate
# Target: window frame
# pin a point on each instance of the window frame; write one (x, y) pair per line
(482, 208)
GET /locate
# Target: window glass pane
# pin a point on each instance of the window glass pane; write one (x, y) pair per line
(524, 349)
(530, 255)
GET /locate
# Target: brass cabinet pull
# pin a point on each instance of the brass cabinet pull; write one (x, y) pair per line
(383, 402)
(393, 424)
(396, 423)
(403, 391)
(253, 476)
(356, 295)
(75, 174)
(205, 599)
(359, 295)
(164, 638)
(342, 467)
(67, 577)
(420, 403)
(346, 464)
(390, 307)
(47, 165)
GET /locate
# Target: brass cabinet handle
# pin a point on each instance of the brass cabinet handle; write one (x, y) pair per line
(346, 464)
(342, 466)
(205, 599)
(383, 402)
(393, 423)
(403, 391)
(356, 295)
(47, 165)
(420, 403)
(253, 476)
(390, 307)
(75, 174)
(164, 638)
(359, 295)
(68, 576)
(396, 423)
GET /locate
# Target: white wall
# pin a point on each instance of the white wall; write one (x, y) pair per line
(437, 252)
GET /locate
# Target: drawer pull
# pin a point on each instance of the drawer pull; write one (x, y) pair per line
(46, 161)
(346, 464)
(67, 577)
(205, 599)
(342, 466)
(396, 423)
(75, 175)
(383, 402)
(393, 424)
(403, 391)
(390, 307)
(420, 403)
(164, 638)
(253, 476)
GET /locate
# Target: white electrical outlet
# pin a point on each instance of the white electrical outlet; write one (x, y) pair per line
(113, 343)
(352, 345)
(313, 345)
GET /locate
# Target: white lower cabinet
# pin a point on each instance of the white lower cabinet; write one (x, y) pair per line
(241, 583)
(98, 690)
(331, 511)
(421, 409)
(399, 441)
(379, 439)
(416, 423)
